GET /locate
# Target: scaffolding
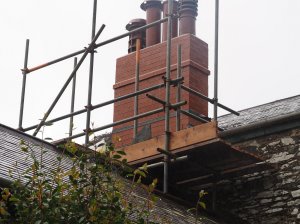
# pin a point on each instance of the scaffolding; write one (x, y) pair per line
(166, 107)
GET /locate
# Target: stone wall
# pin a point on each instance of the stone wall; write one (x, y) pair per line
(270, 196)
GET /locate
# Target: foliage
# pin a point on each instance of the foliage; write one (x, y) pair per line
(199, 205)
(90, 191)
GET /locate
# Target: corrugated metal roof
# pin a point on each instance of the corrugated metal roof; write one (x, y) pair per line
(261, 113)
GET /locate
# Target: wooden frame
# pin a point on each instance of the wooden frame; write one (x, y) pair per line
(179, 139)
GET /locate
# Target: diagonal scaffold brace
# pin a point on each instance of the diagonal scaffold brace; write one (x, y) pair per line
(90, 48)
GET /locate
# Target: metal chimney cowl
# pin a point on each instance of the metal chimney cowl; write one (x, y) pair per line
(134, 24)
(153, 10)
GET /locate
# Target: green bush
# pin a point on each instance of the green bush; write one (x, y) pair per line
(90, 191)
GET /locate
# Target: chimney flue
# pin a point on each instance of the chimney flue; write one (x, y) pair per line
(153, 13)
(134, 24)
(188, 11)
(174, 21)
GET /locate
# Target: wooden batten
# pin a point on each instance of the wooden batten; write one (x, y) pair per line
(179, 139)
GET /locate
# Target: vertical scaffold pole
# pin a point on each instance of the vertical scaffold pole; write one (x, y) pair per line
(178, 94)
(24, 71)
(214, 197)
(216, 61)
(89, 48)
(73, 101)
(137, 84)
(91, 73)
(167, 106)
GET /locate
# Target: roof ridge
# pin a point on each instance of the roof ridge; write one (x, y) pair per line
(26, 135)
(264, 104)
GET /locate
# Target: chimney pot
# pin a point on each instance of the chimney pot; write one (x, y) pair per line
(134, 24)
(188, 11)
(153, 13)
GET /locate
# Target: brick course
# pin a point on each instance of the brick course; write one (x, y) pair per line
(152, 70)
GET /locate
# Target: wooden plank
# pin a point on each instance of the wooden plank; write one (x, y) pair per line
(178, 140)
(193, 135)
(143, 149)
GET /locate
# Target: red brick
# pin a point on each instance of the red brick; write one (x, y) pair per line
(152, 69)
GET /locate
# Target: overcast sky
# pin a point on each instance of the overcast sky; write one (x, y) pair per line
(259, 53)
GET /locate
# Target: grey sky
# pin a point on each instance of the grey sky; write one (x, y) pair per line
(259, 53)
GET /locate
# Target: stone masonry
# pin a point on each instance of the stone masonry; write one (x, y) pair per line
(270, 196)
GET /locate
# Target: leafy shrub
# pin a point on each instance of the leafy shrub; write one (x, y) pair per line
(90, 191)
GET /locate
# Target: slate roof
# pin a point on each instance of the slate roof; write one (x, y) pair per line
(279, 108)
(167, 211)
(11, 153)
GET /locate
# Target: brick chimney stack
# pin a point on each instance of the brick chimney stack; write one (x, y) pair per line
(188, 11)
(153, 13)
(152, 69)
(175, 20)
(134, 24)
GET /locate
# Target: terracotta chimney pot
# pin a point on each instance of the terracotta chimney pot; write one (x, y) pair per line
(188, 11)
(153, 13)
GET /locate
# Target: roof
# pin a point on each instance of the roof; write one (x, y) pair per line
(265, 112)
(11, 153)
(169, 210)
(14, 159)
